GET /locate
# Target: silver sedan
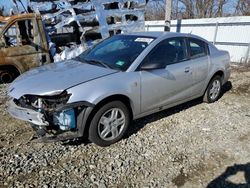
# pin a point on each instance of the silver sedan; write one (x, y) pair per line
(122, 78)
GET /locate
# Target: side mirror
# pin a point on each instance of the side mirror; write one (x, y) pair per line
(152, 65)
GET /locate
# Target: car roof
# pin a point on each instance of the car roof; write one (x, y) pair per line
(159, 34)
(147, 34)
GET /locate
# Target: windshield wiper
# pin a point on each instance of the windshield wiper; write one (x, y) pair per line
(92, 61)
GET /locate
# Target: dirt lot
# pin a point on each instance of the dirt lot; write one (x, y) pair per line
(192, 145)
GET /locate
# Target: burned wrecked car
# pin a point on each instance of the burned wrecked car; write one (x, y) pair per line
(122, 78)
(23, 45)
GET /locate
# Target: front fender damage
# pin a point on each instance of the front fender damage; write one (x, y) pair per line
(52, 118)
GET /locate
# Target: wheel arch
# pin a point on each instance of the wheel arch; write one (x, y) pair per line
(91, 112)
(10, 67)
(8, 73)
(217, 73)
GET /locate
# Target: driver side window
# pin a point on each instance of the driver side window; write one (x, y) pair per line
(19, 33)
(168, 52)
(10, 36)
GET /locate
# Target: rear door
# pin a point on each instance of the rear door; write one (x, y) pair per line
(160, 87)
(199, 56)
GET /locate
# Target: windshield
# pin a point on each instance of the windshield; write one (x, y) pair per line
(117, 52)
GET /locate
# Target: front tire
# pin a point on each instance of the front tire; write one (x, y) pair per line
(213, 91)
(109, 123)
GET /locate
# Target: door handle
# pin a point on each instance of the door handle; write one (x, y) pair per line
(187, 69)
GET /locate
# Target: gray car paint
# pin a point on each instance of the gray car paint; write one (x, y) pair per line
(55, 78)
(148, 91)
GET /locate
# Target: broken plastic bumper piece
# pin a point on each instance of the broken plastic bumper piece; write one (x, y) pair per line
(61, 124)
(26, 114)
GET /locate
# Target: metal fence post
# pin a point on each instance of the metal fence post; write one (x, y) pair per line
(247, 54)
(215, 32)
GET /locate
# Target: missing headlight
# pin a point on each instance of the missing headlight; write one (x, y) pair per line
(43, 103)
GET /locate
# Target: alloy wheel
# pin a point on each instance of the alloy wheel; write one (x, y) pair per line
(111, 124)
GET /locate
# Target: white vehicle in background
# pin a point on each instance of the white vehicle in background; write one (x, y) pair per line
(122, 78)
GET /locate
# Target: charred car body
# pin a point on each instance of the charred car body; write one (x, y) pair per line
(125, 77)
(23, 45)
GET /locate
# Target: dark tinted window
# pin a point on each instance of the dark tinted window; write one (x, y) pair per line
(197, 48)
(168, 52)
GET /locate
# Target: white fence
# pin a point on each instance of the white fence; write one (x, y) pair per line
(231, 33)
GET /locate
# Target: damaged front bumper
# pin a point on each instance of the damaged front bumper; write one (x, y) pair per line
(65, 123)
(25, 114)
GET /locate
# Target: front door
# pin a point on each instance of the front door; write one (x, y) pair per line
(171, 84)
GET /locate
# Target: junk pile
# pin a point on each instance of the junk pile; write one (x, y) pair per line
(13, 7)
(75, 25)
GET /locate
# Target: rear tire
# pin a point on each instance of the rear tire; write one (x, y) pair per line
(213, 91)
(109, 123)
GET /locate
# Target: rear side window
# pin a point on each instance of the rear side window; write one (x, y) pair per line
(197, 48)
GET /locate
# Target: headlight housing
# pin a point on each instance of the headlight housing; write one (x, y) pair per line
(44, 103)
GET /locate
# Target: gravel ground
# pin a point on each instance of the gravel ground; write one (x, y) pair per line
(192, 145)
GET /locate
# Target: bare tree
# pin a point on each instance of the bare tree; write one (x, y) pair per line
(203, 8)
(155, 10)
(243, 7)
(188, 9)
(219, 12)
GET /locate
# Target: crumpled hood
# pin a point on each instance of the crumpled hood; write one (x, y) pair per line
(56, 77)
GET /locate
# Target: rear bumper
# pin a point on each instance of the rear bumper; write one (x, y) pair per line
(227, 74)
